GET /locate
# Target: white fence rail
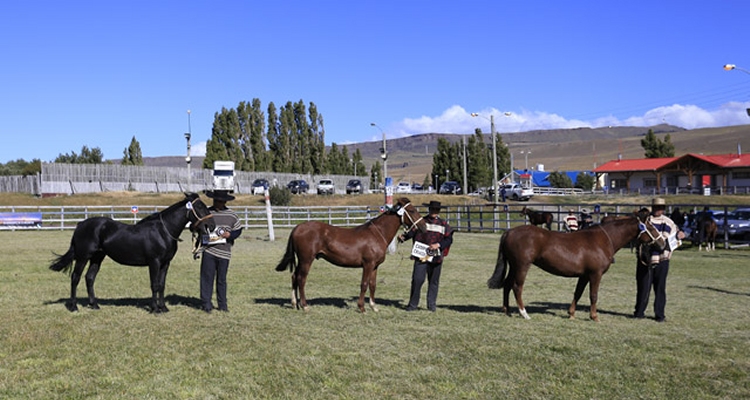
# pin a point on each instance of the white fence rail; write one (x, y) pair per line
(463, 218)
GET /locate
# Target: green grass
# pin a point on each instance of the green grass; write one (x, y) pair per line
(466, 350)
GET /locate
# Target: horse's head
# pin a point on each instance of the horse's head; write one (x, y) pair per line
(409, 215)
(201, 219)
(524, 211)
(647, 232)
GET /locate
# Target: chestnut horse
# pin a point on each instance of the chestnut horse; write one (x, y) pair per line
(538, 217)
(363, 246)
(586, 254)
(707, 233)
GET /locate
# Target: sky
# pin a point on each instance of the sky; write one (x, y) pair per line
(98, 73)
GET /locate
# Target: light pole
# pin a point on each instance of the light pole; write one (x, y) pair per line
(383, 154)
(494, 152)
(526, 156)
(188, 159)
(730, 67)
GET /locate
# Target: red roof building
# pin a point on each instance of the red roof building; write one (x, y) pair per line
(721, 172)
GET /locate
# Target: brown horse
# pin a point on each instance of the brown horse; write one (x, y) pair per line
(363, 246)
(707, 233)
(538, 217)
(586, 254)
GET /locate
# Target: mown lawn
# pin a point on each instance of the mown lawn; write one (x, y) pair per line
(466, 350)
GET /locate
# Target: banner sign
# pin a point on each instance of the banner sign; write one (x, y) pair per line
(20, 219)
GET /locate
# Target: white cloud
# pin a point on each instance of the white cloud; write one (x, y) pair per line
(457, 120)
(198, 149)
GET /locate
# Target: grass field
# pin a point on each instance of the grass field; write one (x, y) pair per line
(263, 349)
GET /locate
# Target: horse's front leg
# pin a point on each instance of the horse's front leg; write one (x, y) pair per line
(160, 301)
(580, 287)
(594, 295)
(157, 275)
(362, 289)
(373, 286)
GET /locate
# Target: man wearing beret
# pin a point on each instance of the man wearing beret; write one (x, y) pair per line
(437, 239)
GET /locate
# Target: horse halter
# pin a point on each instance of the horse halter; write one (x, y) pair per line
(402, 211)
(198, 219)
(643, 228)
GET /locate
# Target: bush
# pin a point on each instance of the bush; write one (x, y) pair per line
(280, 196)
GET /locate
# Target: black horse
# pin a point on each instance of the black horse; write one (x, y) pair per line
(152, 241)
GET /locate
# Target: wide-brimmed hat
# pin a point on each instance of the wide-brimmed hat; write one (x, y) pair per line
(221, 195)
(583, 210)
(658, 201)
(433, 204)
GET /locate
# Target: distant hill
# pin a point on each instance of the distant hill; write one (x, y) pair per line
(410, 158)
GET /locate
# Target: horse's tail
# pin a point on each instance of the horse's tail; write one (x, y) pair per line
(498, 277)
(64, 262)
(289, 260)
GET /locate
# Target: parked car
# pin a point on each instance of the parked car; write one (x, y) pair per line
(325, 186)
(516, 191)
(260, 186)
(354, 186)
(738, 224)
(415, 187)
(450, 187)
(403, 187)
(298, 186)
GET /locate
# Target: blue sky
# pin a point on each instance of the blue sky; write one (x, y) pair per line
(97, 73)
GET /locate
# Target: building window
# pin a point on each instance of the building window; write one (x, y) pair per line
(619, 183)
(649, 182)
(740, 174)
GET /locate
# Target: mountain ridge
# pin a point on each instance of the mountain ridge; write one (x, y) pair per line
(410, 158)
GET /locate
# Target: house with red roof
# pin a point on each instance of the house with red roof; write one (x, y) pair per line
(691, 173)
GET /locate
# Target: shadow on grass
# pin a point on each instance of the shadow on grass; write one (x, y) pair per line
(142, 302)
(719, 290)
(330, 301)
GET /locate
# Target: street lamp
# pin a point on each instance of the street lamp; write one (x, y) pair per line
(494, 152)
(730, 67)
(526, 156)
(383, 153)
(188, 159)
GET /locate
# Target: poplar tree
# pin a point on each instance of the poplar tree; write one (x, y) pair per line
(132, 154)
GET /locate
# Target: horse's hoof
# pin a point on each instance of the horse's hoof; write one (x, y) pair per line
(595, 319)
(71, 307)
(93, 306)
(305, 308)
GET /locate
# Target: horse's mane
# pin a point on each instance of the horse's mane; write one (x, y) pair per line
(181, 203)
(388, 211)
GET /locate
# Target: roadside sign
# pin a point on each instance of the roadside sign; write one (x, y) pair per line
(134, 209)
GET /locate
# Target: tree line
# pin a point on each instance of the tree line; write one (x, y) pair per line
(291, 139)
(288, 139)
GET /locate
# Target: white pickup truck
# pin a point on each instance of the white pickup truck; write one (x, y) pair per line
(515, 191)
